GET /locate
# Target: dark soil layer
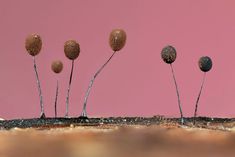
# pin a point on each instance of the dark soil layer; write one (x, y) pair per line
(201, 122)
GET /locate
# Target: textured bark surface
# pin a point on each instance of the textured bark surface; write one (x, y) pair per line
(125, 137)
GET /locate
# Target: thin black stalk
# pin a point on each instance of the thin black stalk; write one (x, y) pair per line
(42, 115)
(56, 96)
(177, 91)
(84, 113)
(196, 106)
(67, 98)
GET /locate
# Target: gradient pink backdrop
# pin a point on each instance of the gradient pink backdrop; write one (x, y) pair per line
(137, 82)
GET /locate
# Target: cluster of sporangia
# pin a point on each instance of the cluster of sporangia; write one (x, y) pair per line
(205, 64)
(117, 40)
(33, 45)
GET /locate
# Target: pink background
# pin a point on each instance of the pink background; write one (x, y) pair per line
(136, 82)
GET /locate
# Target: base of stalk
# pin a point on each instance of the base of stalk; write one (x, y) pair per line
(84, 114)
(182, 120)
(42, 116)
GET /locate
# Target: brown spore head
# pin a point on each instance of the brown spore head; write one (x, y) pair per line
(33, 44)
(57, 66)
(168, 54)
(205, 63)
(117, 39)
(71, 49)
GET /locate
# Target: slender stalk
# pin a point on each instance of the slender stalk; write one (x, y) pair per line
(42, 115)
(84, 113)
(56, 96)
(177, 91)
(67, 98)
(196, 106)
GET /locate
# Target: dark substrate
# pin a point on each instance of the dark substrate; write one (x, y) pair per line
(201, 122)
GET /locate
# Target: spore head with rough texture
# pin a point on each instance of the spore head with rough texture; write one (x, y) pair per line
(117, 39)
(71, 49)
(57, 66)
(33, 44)
(168, 54)
(205, 63)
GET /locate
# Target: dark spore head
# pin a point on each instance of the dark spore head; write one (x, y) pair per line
(168, 54)
(205, 63)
